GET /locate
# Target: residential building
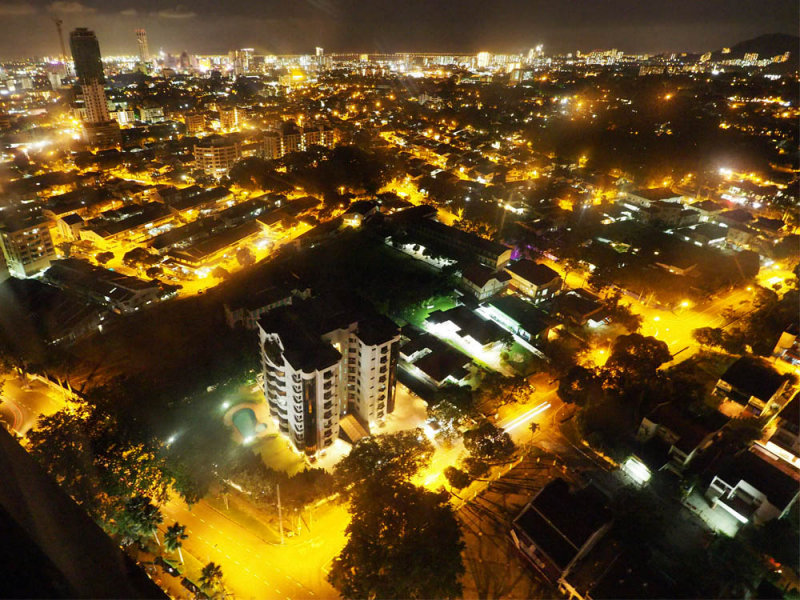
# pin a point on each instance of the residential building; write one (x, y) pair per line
(475, 333)
(684, 435)
(537, 281)
(358, 212)
(483, 283)
(215, 155)
(322, 362)
(120, 293)
(754, 385)
(644, 197)
(752, 486)
(518, 317)
(434, 362)
(784, 442)
(293, 139)
(228, 118)
(455, 242)
(195, 123)
(559, 526)
(27, 245)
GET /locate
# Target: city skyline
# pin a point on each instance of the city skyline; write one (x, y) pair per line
(509, 26)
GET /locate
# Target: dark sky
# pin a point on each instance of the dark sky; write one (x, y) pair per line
(296, 26)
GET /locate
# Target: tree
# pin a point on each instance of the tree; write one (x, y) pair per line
(153, 272)
(139, 257)
(578, 384)
(173, 538)
(402, 542)
(637, 353)
(622, 314)
(475, 467)
(210, 576)
(220, 273)
(103, 257)
(396, 456)
(138, 518)
(488, 442)
(245, 257)
(457, 478)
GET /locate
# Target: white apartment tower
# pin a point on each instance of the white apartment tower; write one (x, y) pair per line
(322, 363)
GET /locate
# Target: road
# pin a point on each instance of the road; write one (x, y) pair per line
(675, 327)
(21, 403)
(256, 568)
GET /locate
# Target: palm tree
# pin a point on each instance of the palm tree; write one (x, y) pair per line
(210, 576)
(142, 517)
(173, 538)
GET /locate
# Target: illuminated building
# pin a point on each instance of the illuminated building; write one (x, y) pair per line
(100, 131)
(321, 365)
(195, 123)
(539, 282)
(27, 245)
(215, 155)
(141, 42)
(228, 118)
(484, 59)
(278, 144)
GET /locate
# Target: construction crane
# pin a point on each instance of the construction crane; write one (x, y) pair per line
(59, 23)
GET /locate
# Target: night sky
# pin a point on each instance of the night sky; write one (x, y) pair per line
(296, 26)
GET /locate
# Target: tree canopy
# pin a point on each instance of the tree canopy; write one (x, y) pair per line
(403, 541)
(397, 456)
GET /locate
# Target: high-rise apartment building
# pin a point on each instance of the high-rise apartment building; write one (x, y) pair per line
(195, 122)
(94, 99)
(141, 42)
(294, 139)
(228, 117)
(216, 154)
(484, 59)
(321, 363)
(27, 245)
(99, 130)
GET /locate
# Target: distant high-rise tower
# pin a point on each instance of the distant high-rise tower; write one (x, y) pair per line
(144, 51)
(320, 51)
(99, 129)
(86, 55)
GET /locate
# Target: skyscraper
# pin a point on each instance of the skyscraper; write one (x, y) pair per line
(99, 129)
(141, 41)
(86, 55)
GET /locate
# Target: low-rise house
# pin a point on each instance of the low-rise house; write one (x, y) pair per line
(518, 317)
(788, 346)
(358, 212)
(579, 307)
(482, 283)
(540, 282)
(559, 526)
(685, 435)
(784, 442)
(752, 486)
(644, 197)
(120, 293)
(436, 363)
(477, 334)
(754, 385)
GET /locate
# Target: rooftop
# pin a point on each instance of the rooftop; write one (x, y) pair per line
(753, 377)
(560, 521)
(533, 272)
